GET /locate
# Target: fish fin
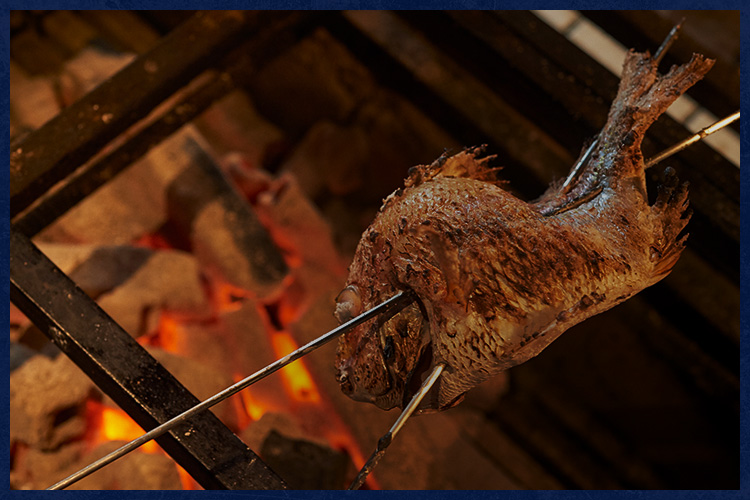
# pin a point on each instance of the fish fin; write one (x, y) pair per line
(617, 161)
(672, 215)
(469, 164)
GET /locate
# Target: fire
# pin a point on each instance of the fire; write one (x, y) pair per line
(227, 297)
(168, 332)
(254, 404)
(188, 483)
(111, 424)
(296, 377)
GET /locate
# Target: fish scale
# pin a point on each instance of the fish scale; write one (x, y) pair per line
(497, 278)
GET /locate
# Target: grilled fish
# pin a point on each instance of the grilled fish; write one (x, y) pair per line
(497, 279)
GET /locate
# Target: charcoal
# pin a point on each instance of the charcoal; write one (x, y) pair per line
(96, 269)
(304, 465)
(201, 380)
(68, 29)
(400, 136)
(46, 402)
(168, 279)
(131, 205)
(226, 235)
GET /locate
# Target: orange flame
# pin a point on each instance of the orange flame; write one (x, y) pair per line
(188, 483)
(296, 377)
(253, 405)
(169, 332)
(112, 424)
(227, 297)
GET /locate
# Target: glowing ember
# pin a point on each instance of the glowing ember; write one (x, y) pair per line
(111, 424)
(188, 483)
(226, 297)
(296, 377)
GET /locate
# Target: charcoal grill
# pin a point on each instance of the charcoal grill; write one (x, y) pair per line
(501, 78)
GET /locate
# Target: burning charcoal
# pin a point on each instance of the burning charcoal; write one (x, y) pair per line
(233, 125)
(168, 279)
(329, 157)
(201, 380)
(96, 269)
(304, 465)
(46, 400)
(317, 78)
(307, 238)
(225, 234)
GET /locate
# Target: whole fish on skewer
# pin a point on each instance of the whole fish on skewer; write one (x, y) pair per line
(496, 278)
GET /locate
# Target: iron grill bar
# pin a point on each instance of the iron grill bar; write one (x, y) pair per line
(127, 373)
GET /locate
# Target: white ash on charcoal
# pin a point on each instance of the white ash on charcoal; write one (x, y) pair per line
(133, 284)
(225, 234)
(19, 354)
(96, 269)
(129, 206)
(47, 397)
(168, 280)
(316, 79)
(301, 228)
(233, 125)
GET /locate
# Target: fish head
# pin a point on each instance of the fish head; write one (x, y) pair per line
(381, 360)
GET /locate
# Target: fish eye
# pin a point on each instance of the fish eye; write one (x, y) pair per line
(348, 304)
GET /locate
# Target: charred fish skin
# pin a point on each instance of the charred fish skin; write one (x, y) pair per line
(498, 278)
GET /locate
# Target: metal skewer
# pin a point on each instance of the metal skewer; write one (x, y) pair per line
(692, 139)
(387, 308)
(386, 440)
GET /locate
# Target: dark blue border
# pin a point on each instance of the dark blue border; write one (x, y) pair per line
(743, 493)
